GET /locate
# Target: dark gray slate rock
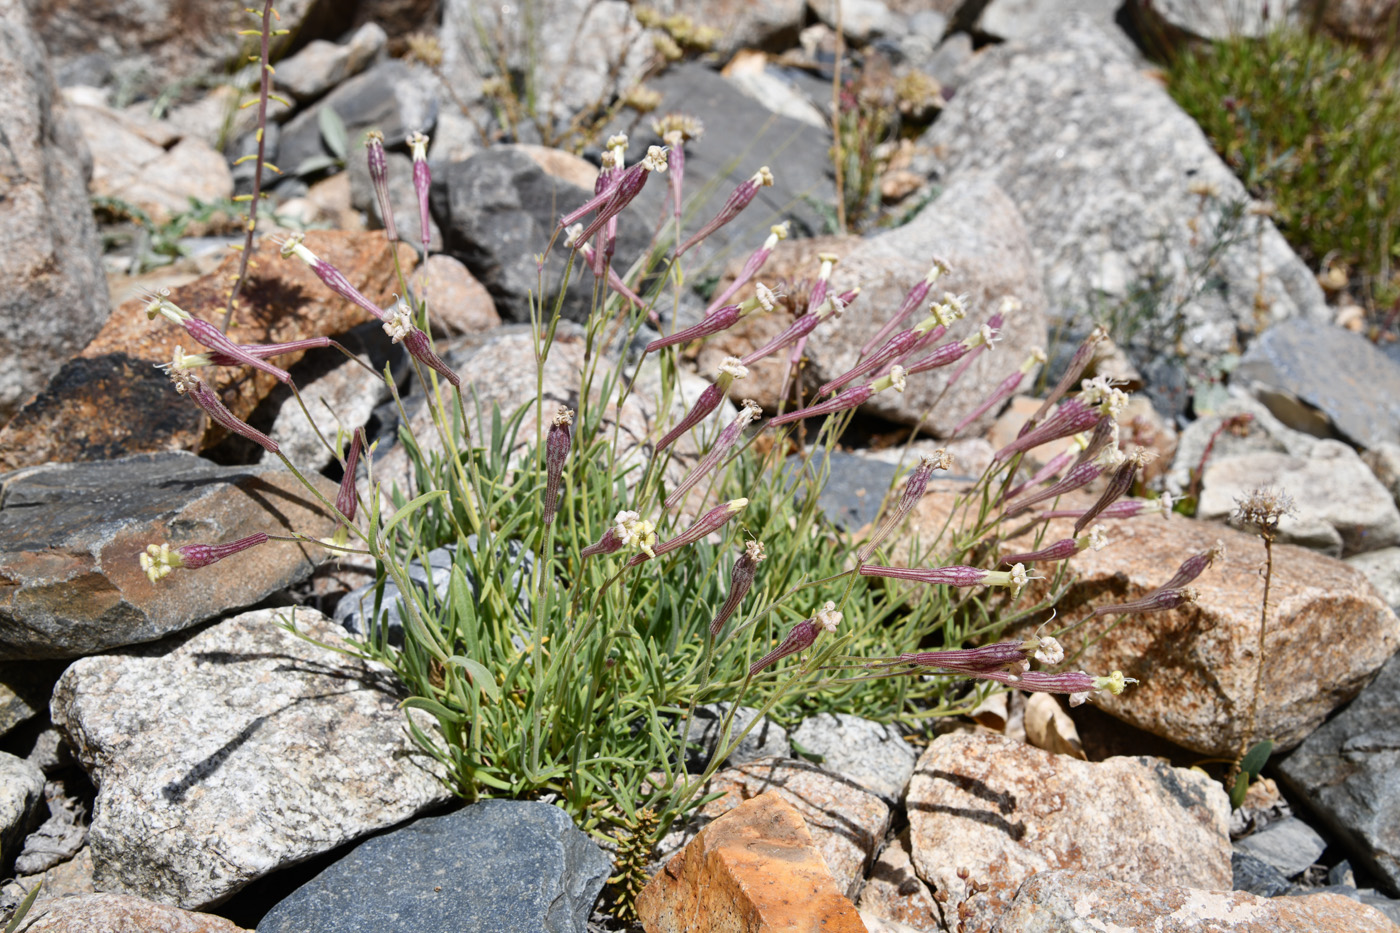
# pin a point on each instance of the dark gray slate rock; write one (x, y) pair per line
(1257, 876)
(55, 294)
(1102, 164)
(71, 534)
(854, 489)
(498, 866)
(871, 754)
(498, 210)
(1348, 771)
(1289, 845)
(1314, 376)
(392, 97)
(21, 804)
(741, 135)
(767, 740)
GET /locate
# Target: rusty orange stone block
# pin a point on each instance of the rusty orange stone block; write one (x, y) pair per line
(753, 870)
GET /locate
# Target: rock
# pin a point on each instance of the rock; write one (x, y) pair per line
(1256, 876)
(773, 87)
(771, 26)
(1070, 901)
(21, 803)
(854, 490)
(894, 891)
(109, 402)
(871, 754)
(512, 866)
(24, 690)
(1179, 21)
(1362, 21)
(1101, 164)
(847, 823)
(68, 879)
(1292, 369)
(55, 295)
(225, 756)
(343, 397)
(1341, 508)
(1011, 20)
(70, 535)
(215, 119)
(754, 869)
(498, 210)
(1384, 461)
(796, 152)
(1346, 771)
(861, 20)
(403, 199)
(1289, 845)
(122, 913)
(331, 199)
(60, 837)
(1382, 568)
(395, 98)
(1238, 426)
(322, 65)
(767, 740)
(457, 302)
(159, 180)
(1005, 811)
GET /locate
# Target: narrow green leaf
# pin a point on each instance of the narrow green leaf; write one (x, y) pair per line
(434, 707)
(333, 132)
(1258, 755)
(1240, 789)
(412, 507)
(481, 675)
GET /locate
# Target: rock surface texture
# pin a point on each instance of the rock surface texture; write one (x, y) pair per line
(504, 866)
(121, 913)
(1101, 163)
(871, 754)
(754, 870)
(227, 755)
(1005, 811)
(21, 801)
(55, 295)
(1074, 901)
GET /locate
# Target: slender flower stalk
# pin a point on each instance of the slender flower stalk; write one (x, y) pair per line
(422, 186)
(379, 181)
(556, 451)
(831, 308)
(1009, 305)
(708, 401)
(1118, 486)
(902, 343)
(957, 575)
(739, 199)
(1263, 507)
(912, 300)
(1078, 477)
(717, 452)
(1079, 685)
(849, 399)
(159, 303)
(710, 522)
(751, 266)
(1077, 364)
(914, 488)
(627, 530)
(723, 319)
(590, 257)
(1063, 549)
(740, 582)
(158, 560)
(801, 637)
(401, 329)
(1004, 390)
(1123, 508)
(187, 383)
(294, 246)
(1098, 400)
(1002, 655)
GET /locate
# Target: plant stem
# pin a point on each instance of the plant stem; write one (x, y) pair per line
(264, 88)
(1263, 623)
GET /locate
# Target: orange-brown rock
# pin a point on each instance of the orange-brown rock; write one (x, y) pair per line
(1071, 901)
(847, 822)
(122, 913)
(457, 302)
(753, 870)
(110, 400)
(1001, 811)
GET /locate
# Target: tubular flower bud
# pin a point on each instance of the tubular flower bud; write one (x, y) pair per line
(851, 398)
(739, 199)
(1008, 306)
(1079, 476)
(1004, 390)
(708, 401)
(912, 300)
(717, 452)
(614, 200)
(819, 288)
(158, 560)
(1077, 684)
(1118, 485)
(723, 319)
(401, 329)
(1015, 655)
(800, 328)
(1123, 508)
(211, 337)
(740, 582)
(953, 352)
(379, 180)
(293, 246)
(710, 522)
(345, 499)
(422, 185)
(898, 346)
(751, 265)
(799, 638)
(1158, 600)
(914, 488)
(1077, 364)
(1072, 417)
(1194, 566)
(187, 383)
(958, 575)
(1063, 549)
(556, 451)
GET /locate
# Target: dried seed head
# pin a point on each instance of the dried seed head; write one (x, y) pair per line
(1099, 392)
(755, 551)
(687, 126)
(418, 143)
(563, 417)
(1264, 507)
(1047, 650)
(1097, 539)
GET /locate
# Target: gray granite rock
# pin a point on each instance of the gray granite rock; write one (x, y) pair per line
(55, 295)
(120, 913)
(1314, 376)
(342, 397)
(1256, 876)
(70, 535)
(767, 740)
(854, 489)
(871, 754)
(772, 26)
(1382, 568)
(21, 805)
(1348, 772)
(1384, 461)
(498, 866)
(1181, 20)
(59, 837)
(321, 65)
(224, 756)
(1260, 432)
(1289, 845)
(1102, 163)
(1025, 19)
(861, 20)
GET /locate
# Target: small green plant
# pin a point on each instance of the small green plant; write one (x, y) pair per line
(1311, 125)
(158, 244)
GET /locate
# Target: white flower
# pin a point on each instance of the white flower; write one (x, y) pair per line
(419, 144)
(780, 230)
(829, 617)
(655, 160)
(1110, 457)
(1009, 305)
(1100, 392)
(636, 532)
(733, 368)
(180, 369)
(571, 235)
(764, 177)
(750, 410)
(755, 551)
(989, 336)
(1098, 539)
(898, 378)
(1019, 577)
(766, 297)
(399, 323)
(938, 268)
(940, 459)
(828, 261)
(1049, 651)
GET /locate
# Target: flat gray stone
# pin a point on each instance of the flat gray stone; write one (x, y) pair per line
(225, 756)
(498, 866)
(767, 740)
(321, 65)
(1290, 845)
(871, 754)
(1301, 369)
